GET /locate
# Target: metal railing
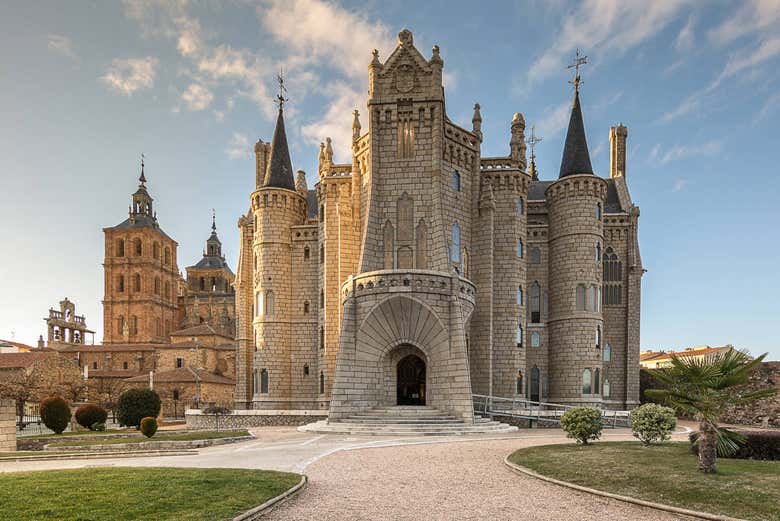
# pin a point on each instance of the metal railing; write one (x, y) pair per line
(539, 411)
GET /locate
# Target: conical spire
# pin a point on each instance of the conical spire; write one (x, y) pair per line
(576, 159)
(142, 179)
(280, 172)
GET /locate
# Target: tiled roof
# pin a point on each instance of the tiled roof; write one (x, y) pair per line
(694, 351)
(312, 209)
(185, 375)
(107, 348)
(576, 159)
(21, 360)
(140, 221)
(280, 172)
(16, 344)
(200, 329)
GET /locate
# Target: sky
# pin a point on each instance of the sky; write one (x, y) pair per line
(87, 86)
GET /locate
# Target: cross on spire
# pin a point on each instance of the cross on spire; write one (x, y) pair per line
(578, 61)
(142, 179)
(280, 99)
(213, 220)
(533, 140)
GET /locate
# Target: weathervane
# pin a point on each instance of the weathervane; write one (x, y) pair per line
(213, 220)
(533, 140)
(578, 60)
(282, 89)
(142, 179)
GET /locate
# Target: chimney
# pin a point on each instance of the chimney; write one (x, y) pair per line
(617, 150)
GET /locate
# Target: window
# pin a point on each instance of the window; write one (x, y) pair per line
(596, 381)
(120, 248)
(519, 335)
(598, 211)
(322, 213)
(264, 381)
(138, 248)
(269, 303)
(612, 274)
(322, 382)
(120, 284)
(520, 248)
(519, 297)
(536, 339)
(322, 337)
(456, 181)
(137, 283)
(94, 365)
(519, 383)
(607, 389)
(455, 243)
(179, 363)
(520, 205)
(167, 327)
(580, 297)
(322, 299)
(536, 294)
(607, 355)
(134, 325)
(598, 337)
(305, 369)
(598, 253)
(306, 255)
(167, 256)
(305, 307)
(586, 382)
(120, 325)
(157, 285)
(156, 250)
(259, 308)
(533, 392)
(158, 327)
(322, 253)
(175, 395)
(124, 366)
(536, 256)
(167, 289)
(255, 381)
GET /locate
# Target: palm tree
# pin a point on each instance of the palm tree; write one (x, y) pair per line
(705, 388)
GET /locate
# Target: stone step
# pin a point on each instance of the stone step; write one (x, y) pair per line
(378, 420)
(322, 427)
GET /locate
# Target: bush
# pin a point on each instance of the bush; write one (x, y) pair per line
(90, 414)
(55, 414)
(136, 404)
(760, 445)
(582, 424)
(653, 423)
(148, 426)
(98, 427)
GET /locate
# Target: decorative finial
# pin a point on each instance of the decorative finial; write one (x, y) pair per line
(578, 60)
(532, 141)
(142, 179)
(476, 121)
(375, 57)
(328, 150)
(213, 220)
(355, 126)
(280, 99)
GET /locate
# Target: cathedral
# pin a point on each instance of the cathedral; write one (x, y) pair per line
(422, 273)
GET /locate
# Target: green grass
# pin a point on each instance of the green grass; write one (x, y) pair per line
(79, 433)
(664, 474)
(187, 436)
(125, 494)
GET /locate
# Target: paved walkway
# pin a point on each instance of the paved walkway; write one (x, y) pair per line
(371, 478)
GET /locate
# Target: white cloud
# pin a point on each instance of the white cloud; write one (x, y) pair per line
(677, 152)
(685, 37)
(673, 66)
(770, 105)
(685, 107)
(554, 120)
(604, 26)
(238, 147)
(752, 17)
(336, 123)
(766, 50)
(61, 45)
(130, 75)
(197, 97)
(679, 185)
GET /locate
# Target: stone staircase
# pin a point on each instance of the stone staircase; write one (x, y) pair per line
(407, 421)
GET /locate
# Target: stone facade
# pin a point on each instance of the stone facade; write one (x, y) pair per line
(422, 272)
(7, 426)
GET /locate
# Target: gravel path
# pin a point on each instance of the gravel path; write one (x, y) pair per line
(452, 481)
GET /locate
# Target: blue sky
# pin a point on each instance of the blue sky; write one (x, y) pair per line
(85, 87)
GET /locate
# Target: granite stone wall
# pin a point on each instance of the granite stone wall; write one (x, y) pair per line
(252, 418)
(7, 426)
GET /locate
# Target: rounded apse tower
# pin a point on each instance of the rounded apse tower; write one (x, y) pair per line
(576, 238)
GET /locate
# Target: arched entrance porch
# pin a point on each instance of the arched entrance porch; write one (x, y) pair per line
(410, 381)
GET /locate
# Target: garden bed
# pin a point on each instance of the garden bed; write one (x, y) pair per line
(139, 442)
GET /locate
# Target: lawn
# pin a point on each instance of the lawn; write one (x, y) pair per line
(126, 494)
(186, 436)
(664, 474)
(107, 432)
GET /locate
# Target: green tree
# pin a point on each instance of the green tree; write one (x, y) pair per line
(582, 423)
(704, 388)
(136, 404)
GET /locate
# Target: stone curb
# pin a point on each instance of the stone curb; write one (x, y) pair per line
(261, 510)
(100, 455)
(627, 499)
(150, 445)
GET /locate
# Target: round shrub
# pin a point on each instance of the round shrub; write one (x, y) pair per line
(653, 423)
(148, 426)
(99, 427)
(90, 414)
(55, 414)
(582, 424)
(136, 404)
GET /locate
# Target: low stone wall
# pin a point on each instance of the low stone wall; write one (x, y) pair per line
(7, 426)
(243, 419)
(39, 443)
(150, 445)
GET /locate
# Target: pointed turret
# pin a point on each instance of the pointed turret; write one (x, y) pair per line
(142, 201)
(280, 172)
(576, 159)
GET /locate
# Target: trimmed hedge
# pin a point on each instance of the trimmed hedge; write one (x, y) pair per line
(136, 404)
(652, 423)
(89, 414)
(55, 414)
(582, 423)
(759, 445)
(148, 426)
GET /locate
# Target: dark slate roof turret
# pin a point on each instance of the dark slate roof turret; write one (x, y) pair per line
(576, 159)
(280, 172)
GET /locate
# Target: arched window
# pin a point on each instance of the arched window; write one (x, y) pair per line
(322, 253)
(167, 289)
(598, 253)
(306, 254)
(138, 248)
(120, 248)
(134, 325)
(580, 297)
(536, 294)
(305, 307)
(269, 303)
(520, 248)
(596, 381)
(124, 366)
(612, 274)
(322, 337)
(455, 242)
(305, 369)
(519, 383)
(519, 297)
(586, 389)
(598, 211)
(175, 395)
(456, 181)
(202, 283)
(536, 339)
(598, 337)
(157, 286)
(322, 382)
(256, 381)
(536, 256)
(607, 355)
(167, 256)
(264, 381)
(607, 392)
(120, 325)
(137, 283)
(259, 307)
(520, 206)
(120, 284)
(519, 335)
(156, 250)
